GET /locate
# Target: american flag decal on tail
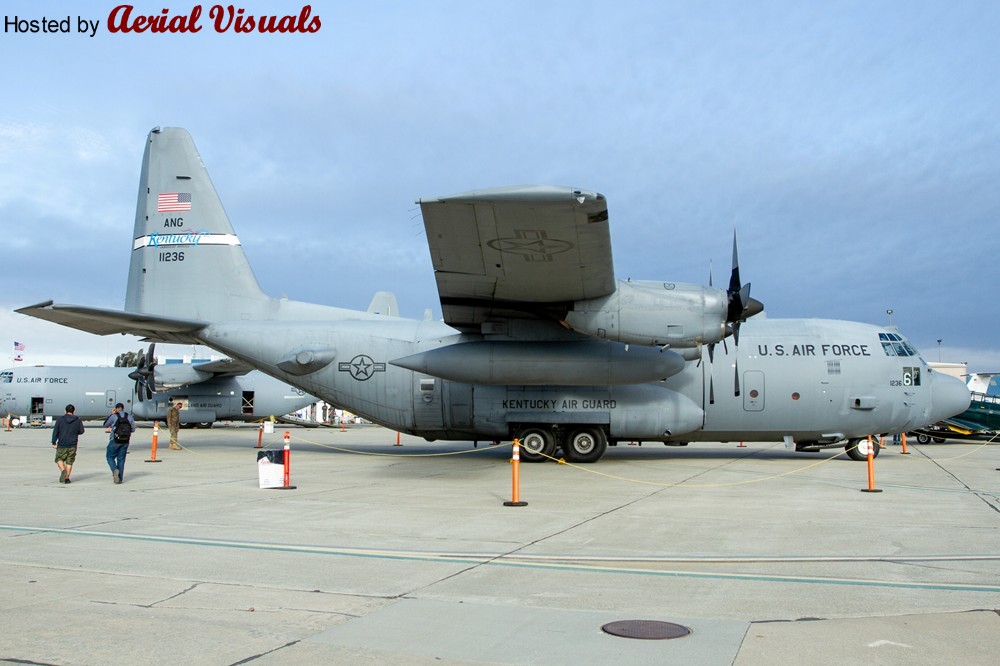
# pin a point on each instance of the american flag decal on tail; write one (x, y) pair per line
(173, 202)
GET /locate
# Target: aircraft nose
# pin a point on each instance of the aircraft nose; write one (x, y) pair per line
(949, 397)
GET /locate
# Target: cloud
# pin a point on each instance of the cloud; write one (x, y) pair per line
(854, 149)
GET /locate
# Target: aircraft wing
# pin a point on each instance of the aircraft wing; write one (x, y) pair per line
(961, 426)
(517, 251)
(106, 322)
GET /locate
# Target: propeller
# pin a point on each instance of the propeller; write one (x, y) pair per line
(145, 384)
(740, 308)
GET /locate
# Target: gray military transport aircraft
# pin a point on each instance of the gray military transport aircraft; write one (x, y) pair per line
(539, 341)
(209, 391)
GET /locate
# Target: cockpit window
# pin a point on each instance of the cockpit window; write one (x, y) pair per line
(893, 344)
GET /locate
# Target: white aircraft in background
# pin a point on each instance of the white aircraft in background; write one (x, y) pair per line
(209, 391)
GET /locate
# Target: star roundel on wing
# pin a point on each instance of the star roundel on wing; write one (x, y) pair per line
(532, 244)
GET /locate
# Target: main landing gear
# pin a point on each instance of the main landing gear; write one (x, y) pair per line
(579, 444)
(854, 453)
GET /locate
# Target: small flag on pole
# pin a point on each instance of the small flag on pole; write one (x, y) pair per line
(18, 357)
(18, 346)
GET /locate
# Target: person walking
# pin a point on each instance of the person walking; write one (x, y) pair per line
(120, 426)
(65, 435)
(174, 424)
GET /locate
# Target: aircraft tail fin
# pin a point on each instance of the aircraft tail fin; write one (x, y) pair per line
(187, 261)
(384, 303)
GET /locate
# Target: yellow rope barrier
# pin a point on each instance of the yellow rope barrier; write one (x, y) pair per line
(486, 447)
(562, 461)
(927, 458)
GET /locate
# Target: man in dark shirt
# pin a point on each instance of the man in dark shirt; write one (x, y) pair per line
(65, 434)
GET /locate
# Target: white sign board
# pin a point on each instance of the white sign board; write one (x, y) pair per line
(271, 475)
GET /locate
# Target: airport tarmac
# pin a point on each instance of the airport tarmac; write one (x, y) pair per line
(386, 554)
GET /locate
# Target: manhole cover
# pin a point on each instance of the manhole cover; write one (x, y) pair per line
(647, 629)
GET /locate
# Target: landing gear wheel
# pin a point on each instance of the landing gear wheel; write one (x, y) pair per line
(537, 445)
(854, 452)
(923, 439)
(938, 440)
(584, 445)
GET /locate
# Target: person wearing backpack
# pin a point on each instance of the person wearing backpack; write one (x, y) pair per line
(120, 425)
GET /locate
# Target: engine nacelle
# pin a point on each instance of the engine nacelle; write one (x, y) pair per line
(654, 313)
(168, 376)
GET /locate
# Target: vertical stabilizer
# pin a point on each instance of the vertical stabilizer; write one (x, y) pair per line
(186, 259)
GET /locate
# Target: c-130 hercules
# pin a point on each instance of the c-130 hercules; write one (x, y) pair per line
(539, 341)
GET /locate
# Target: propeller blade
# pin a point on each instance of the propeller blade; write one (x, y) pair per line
(736, 377)
(745, 296)
(741, 305)
(143, 374)
(734, 277)
(150, 364)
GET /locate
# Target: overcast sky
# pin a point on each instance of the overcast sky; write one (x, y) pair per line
(855, 146)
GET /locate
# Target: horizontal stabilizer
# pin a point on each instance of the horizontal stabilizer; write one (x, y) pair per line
(105, 322)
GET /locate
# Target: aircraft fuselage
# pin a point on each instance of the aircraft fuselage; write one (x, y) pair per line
(44, 391)
(816, 381)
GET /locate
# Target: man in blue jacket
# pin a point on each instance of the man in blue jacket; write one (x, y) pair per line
(120, 426)
(65, 434)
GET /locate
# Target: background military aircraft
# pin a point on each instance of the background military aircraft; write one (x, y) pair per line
(539, 340)
(980, 421)
(210, 391)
